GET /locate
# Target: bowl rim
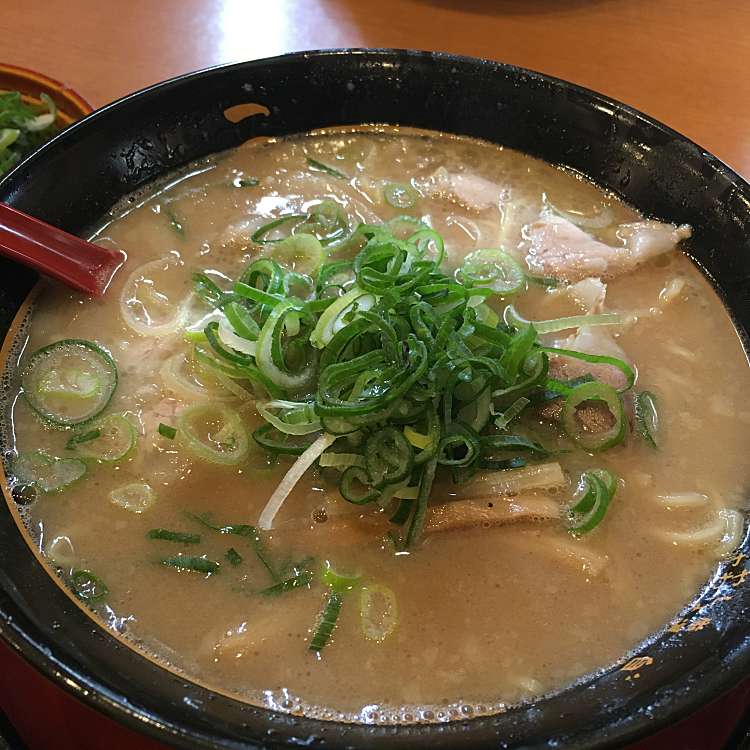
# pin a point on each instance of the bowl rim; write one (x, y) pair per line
(92, 692)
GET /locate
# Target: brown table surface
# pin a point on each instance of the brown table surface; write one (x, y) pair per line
(684, 62)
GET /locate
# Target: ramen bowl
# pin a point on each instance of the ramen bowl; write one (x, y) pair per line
(80, 174)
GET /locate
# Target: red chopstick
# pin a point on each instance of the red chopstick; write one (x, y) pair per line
(82, 265)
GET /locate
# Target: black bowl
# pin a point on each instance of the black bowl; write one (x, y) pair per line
(75, 178)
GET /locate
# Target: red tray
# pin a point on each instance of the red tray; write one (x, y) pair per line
(48, 718)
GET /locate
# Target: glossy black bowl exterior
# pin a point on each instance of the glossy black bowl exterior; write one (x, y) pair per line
(80, 174)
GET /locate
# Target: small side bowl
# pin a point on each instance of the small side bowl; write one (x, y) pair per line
(71, 106)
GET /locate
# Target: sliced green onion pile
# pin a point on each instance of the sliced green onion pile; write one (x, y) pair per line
(24, 127)
(386, 367)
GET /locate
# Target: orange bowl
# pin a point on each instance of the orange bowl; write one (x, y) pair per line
(71, 106)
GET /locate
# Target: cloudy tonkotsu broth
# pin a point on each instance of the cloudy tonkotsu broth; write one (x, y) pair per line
(493, 599)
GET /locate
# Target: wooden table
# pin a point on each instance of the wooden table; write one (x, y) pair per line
(683, 61)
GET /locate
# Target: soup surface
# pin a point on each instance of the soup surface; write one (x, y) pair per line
(495, 598)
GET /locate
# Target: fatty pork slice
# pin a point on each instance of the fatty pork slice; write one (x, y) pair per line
(555, 247)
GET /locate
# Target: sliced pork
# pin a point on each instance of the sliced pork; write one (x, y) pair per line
(558, 248)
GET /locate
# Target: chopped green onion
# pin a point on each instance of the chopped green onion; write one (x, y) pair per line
(550, 282)
(234, 557)
(207, 289)
(513, 443)
(302, 253)
(326, 221)
(594, 441)
(595, 491)
(241, 182)
(354, 486)
(270, 357)
(8, 136)
(214, 433)
(244, 530)
(230, 339)
(241, 320)
(319, 166)
(47, 473)
(494, 269)
(135, 497)
(513, 319)
(174, 222)
(339, 582)
(181, 537)
(275, 441)
(505, 418)
(46, 119)
(194, 564)
(596, 359)
(401, 515)
(83, 437)
(341, 460)
(261, 235)
(388, 457)
(403, 227)
(290, 417)
(647, 417)
(420, 510)
(167, 431)
(303, 578)
(115, 439)
(338, 315)
(23, 127)
(327, 622)
(398, 195)
(417, 439)
(88, 587)
(69, 382)
(459, 446)
(378, 610)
